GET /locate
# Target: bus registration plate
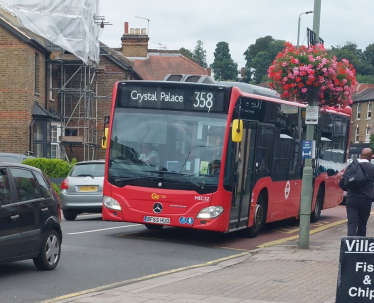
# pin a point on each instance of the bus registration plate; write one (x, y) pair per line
(157, 220)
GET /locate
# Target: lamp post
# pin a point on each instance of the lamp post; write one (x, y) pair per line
(307, 180)
(298, 27)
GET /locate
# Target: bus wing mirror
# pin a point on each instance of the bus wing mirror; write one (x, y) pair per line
(237, 130)
(106, 119)
(104, 140)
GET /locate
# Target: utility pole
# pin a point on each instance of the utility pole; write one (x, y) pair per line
(307, 181)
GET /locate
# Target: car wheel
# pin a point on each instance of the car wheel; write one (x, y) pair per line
(50, 252)
(153, 226)
(318, 208)
(259, 218)
(69, 215)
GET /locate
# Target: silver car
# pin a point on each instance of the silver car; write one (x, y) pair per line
(82, 190)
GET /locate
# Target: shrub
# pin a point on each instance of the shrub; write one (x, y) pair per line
(56, 188)
(53, 168)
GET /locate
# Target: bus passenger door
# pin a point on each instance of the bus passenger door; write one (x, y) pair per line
(242, 177)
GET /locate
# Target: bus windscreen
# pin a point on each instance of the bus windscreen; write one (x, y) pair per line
(189, 98)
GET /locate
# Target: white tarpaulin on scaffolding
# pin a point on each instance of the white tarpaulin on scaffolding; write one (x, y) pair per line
(69, 24)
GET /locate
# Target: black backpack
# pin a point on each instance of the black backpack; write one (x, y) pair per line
(354, 177)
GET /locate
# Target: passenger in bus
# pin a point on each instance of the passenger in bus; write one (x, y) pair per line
(149, 156)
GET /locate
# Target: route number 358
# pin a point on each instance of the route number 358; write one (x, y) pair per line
(203, 100)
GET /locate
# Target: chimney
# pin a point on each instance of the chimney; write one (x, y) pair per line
(242, 72)
(135, 43)
(126, 28)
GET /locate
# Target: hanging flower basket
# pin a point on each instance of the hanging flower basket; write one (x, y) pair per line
(309, 74)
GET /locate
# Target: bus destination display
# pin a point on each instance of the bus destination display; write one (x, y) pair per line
(207, 100)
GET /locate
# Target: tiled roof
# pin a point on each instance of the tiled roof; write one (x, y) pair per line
(365, 95)
(157, 67)
(39, 111)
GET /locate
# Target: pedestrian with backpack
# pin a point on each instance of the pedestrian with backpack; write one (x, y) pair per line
(358, 180)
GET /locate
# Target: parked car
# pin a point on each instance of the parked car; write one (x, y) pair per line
(82, 190)
(29, 217)
(14, 158)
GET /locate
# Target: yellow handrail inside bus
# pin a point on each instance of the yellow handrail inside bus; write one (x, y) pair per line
(237, 130)
(105, 137)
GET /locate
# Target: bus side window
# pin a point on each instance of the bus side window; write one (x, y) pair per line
(284, 158)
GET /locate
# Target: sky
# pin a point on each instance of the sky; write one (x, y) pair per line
(175, 23)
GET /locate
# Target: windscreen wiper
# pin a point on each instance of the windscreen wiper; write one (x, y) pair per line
(121, 179)
(162, 172)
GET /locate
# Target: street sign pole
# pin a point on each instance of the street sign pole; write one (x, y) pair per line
(307, 181)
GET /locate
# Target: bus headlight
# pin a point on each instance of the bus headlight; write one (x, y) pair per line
(210, 212)
(110, 203)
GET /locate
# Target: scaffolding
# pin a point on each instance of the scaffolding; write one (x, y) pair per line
(74, 84)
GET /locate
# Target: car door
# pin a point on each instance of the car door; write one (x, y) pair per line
(28, 197)
(48, 207)
(9, 219)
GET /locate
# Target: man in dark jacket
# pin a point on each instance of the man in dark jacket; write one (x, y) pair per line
(358, 200)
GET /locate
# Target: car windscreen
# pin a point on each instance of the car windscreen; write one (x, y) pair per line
(88, 169)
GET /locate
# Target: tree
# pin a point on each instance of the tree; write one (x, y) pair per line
(369, 54)
(263, 60)
(259, 57)
(260, 45)
(355, 56)
(186, 52)
(223, 66)
(199, 54)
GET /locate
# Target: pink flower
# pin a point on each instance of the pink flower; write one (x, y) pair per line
(304, 90)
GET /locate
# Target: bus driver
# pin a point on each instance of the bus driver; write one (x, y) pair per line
(148, 155)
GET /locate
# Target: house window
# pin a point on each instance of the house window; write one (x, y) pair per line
(367, 135)
(42, 138)
(37, 74)
(55, 136)
(358, 116)
(369, 111)
(357, 134)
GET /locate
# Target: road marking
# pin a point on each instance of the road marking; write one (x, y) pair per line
(286, 230)
(95, 230)
(313, 231)
(126, 282)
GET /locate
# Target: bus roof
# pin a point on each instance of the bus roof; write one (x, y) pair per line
(252, 89)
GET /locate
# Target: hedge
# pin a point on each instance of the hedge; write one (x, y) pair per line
(53, 168)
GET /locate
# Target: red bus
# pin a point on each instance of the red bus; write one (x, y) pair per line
(174, 156)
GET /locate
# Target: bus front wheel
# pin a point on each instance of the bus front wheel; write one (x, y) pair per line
(259, 219)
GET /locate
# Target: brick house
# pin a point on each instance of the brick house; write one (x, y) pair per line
(51, 103)
(362, 124)
(23, 92)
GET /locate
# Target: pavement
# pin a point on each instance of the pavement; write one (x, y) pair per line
(278, 273)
